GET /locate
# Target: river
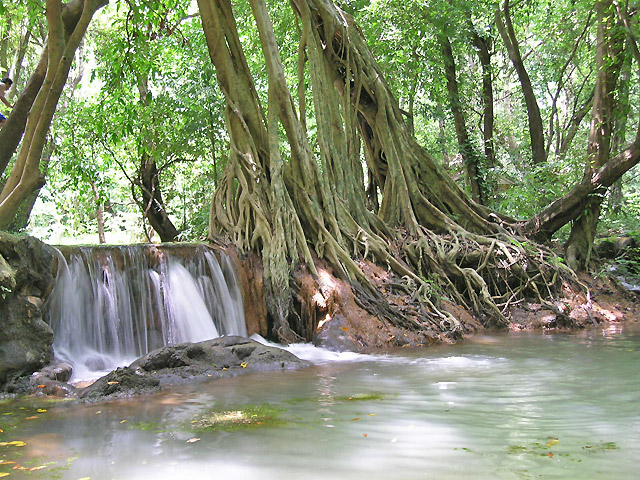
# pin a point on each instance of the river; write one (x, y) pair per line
(505, 406)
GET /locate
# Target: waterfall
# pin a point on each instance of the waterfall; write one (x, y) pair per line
(111, 305)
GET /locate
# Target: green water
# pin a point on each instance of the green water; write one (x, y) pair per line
(513, 406)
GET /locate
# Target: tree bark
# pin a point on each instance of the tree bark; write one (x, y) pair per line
(482, 45)
(469, 155)
(536, 130)
(609, 59)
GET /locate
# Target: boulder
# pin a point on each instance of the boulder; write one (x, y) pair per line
(26, 343)
(192, 362)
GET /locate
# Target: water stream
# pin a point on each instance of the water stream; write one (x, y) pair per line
(111, 305)
(510, 406)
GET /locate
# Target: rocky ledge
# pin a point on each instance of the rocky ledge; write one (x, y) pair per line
(192, 362)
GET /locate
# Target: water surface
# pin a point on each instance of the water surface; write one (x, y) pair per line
(512, 406)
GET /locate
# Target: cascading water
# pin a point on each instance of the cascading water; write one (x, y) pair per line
(111, 305)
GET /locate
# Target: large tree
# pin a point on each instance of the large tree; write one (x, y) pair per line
(428, 231)
(34, 110)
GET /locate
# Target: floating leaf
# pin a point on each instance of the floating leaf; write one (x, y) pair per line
(244, 364)
(4, 474)
(552, 441)
(364, 435)
(371, 414)
(123, 421)
(35, 417)
(344, 328)
(15, 443)
(85, 478)
(41, 410)
(42, 386)
(113, 383)
(550, 454)
(192, 440)
(98, 412)
(355, 419)
(40, 467)
(6, 462)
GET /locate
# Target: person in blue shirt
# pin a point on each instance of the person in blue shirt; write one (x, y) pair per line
(5, 85)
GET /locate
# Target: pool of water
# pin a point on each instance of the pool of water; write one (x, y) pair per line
(511, 406)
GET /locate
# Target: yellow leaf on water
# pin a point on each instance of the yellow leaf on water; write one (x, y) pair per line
(244, 364)
(41, 410)
(344, 328)
(33, 469)
(15, 443)
(98, 412)
(85, 478)
(552, 441)
(364, 435)
(6, 462)
(4, 474)
(32, 418)
(355, 419)
(192, 440)
(371, 414)
(123, 421)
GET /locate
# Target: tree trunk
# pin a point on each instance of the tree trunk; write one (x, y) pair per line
(11, 133)
(536, 130)
(469, 155)
(25, 176)
(152, 203)
(99, 212)
(609, 59)
(482, 45)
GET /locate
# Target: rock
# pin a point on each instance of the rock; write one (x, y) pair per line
(25, 282)
(59, 371)
(188, 362)
(122, 382)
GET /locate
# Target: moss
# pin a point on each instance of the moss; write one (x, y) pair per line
(147, 426)
(249, 416)
(361, 397)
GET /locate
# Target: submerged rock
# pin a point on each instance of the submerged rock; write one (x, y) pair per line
(191, 362)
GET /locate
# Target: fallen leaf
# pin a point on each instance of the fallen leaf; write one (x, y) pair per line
(35, 417)
(192, 440)
(98, 412)
(113, 383)
(371, 414)
(552, 441)
(4, 474)
(42, 386)
(6, 462)
(123, 421)
(344, 328)
(33, 469)
(41, 410)
(355, 419)
(364, 435)
(85, 478)
(1, 430)
(244, 364)
(550, 454)
(15, 443)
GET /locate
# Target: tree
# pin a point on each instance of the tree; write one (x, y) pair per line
(427, 228)
(64, 36)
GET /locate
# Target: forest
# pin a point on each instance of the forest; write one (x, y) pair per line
(433, 155)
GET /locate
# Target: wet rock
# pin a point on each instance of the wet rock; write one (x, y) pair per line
(192, 362)
(122, 382)
(25, 282)
(58, 371)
